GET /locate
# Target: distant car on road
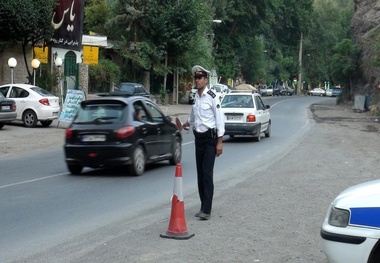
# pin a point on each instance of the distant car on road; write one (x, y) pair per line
(269, 91)
(246, 114)
(286, 91)
(262, 89)
(115, 131)
(351, 229)
(317, 92)
(7, 110)
(33, 104)
(336, 92)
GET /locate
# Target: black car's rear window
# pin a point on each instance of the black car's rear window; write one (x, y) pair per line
(100, 113)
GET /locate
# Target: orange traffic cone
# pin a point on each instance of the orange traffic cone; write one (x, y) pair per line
(177, 225)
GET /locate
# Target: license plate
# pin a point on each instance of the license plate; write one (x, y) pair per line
(55, 113)
(233, 118)
(6, 107)
(93, 138)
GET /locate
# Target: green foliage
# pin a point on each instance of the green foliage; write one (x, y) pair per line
(103, 75)
(26, 20)
(344, 60)
(156, 30)
(47, 80)
(331, 24)
(279, 23)
(96, 12)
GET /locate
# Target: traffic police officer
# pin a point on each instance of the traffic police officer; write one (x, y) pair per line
(208, 128)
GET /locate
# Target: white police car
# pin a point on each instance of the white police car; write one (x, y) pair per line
(351, 229)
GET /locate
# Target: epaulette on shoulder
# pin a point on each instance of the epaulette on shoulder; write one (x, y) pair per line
(212, 94)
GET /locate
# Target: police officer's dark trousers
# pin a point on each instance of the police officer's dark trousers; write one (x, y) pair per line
(205, 152)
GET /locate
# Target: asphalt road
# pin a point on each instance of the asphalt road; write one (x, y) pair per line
(270, 197)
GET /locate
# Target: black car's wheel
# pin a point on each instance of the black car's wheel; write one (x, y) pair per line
(137, 167)
(177, 152)
(29, 118)
(46, 123)
(268, 131)
(1, 125)
(75, 169)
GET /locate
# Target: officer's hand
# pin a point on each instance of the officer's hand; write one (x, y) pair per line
(219, 148)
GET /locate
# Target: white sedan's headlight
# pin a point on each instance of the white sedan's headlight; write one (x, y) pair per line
(339, 217)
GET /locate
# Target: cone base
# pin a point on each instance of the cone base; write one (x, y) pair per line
(177, 236)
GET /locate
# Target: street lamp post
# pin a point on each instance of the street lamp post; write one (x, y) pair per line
(12, 63)
(58, 62)
(35, 64)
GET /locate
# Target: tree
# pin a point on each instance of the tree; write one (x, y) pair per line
(96, 14)
(154, 35)
(331, 24)
(26, 22)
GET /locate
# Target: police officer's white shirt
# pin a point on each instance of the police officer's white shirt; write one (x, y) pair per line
(205, 114)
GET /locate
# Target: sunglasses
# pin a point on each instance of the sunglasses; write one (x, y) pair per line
(199, 77)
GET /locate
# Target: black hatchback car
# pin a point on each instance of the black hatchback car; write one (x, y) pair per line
(114, 131)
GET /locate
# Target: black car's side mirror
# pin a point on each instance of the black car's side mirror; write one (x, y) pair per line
(267, 106)
(168, 118)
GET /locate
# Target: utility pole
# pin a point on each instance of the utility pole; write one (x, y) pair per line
(299, 83)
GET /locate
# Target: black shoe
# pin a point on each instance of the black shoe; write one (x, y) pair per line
(199, 213)
(204, 216)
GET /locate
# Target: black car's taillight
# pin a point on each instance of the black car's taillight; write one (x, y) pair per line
(14, 107)
(125, 132)
(69, 133)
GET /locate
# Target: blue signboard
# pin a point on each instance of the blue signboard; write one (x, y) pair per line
(70, 106)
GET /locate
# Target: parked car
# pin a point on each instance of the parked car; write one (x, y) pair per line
(262, 89)
(7, 110)
(127, 89)
(336, 92)
(269, 91)
(286, 91)
(114, 131)
(351, 229)
(33, 104)
(317, 92)
(246, 114)
(192, 94)
(220, 90)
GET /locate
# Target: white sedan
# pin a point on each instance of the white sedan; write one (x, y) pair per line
(318, 92)
(246, 114)
(33, 104)
(351, 229)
